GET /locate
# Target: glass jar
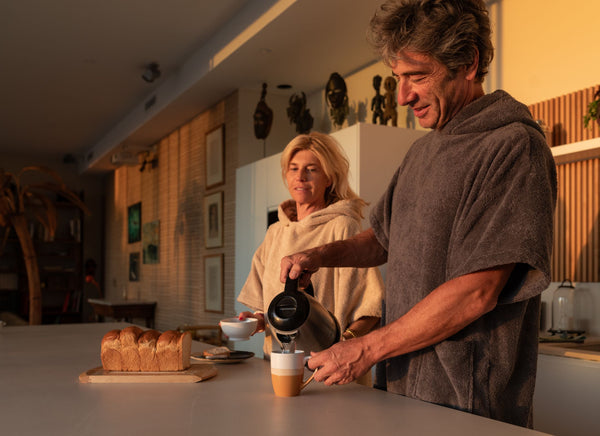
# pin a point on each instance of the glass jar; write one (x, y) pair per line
(569, 308)
(563, 308)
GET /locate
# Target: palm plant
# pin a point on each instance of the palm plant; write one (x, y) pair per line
(593, 110)
(20, 202)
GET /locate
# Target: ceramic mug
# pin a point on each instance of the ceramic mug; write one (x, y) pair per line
(287, 373)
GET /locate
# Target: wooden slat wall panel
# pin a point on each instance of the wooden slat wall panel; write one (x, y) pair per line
(564, 117)
(576, 250)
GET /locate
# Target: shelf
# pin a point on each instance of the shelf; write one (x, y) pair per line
(577, 151)
(60, 264)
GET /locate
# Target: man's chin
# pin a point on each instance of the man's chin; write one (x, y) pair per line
(426, 124)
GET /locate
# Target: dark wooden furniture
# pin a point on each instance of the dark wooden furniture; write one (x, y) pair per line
(60, 263)
(125, 310)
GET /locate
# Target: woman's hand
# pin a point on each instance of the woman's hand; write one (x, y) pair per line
(260, 327)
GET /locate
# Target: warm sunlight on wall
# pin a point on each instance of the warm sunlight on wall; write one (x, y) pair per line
(548, 47)
(172, 193)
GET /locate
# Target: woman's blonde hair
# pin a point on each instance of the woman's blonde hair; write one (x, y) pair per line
(332, 159)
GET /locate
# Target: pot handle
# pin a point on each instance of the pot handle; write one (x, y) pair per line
(570, 285)
(291, 286)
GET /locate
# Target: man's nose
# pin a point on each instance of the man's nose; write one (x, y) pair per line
(406, 93)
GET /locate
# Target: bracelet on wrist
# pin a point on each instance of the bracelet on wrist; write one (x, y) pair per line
(351, 333)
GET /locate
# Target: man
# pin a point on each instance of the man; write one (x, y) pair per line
(465, 226)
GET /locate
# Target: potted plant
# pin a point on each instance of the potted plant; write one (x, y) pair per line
(592, 110)
(20, 202)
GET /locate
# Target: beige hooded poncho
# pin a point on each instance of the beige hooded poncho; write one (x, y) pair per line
(348, 293)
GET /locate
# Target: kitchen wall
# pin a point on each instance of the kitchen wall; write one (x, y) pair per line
(542, 51)
(546, 48)
(173, 194)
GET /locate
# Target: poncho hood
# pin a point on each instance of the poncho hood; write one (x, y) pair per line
(287, 213)
(490, 112)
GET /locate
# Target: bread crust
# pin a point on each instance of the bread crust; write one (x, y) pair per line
(129, 348)
(110, 351)
(166, 351)
(147, 350)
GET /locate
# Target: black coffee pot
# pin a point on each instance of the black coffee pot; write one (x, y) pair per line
(300, 321)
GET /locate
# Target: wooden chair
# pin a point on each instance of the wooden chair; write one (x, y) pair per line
(208, 333)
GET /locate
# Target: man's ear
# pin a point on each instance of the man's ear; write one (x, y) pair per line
(471, 70)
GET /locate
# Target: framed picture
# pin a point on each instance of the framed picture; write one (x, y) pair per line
(213, 283)
(134, 267)
(215, 157)
(151, 241)
(134, 222)
(213, 220)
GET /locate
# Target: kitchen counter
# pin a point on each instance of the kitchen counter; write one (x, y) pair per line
(41, 395)
(567, 389)
(588, 350)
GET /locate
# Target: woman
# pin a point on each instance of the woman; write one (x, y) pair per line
(323, 208)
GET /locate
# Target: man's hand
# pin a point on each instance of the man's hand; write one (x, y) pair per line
(300, 266)
(341, 363)
(360, 251)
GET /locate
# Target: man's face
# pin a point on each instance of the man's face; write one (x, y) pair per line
(428, 88)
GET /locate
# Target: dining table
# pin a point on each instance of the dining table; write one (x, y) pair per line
(124, 310)
(40, 368)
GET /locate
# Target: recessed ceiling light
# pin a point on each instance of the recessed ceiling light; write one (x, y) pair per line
(284, 86)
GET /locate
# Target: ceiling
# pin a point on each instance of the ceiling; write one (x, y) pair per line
(71, 69)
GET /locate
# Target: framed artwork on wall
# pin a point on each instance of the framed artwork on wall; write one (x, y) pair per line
(134, 222)
(213, 283)
(215, 157)
(213, 220)
(134, 267)
(151, 241)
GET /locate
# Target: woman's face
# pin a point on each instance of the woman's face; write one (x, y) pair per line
(306, 180)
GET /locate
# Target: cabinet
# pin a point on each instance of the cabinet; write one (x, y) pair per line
(567, 393)
(60, 268)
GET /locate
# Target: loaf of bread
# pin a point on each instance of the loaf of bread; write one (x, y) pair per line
(133, 349)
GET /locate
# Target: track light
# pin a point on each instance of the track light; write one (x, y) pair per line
(151, 73)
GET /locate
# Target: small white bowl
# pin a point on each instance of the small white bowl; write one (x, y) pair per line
(238, 330)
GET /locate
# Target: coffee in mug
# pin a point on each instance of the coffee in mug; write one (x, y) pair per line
(287, 373)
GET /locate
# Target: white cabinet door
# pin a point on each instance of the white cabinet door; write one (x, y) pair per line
(567, 396)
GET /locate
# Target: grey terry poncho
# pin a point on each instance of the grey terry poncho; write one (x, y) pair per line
(478, 193)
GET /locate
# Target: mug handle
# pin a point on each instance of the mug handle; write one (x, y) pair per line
(305, 383)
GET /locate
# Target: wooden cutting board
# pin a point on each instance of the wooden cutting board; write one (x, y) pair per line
(194, 374)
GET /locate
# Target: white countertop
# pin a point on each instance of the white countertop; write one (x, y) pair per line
(41, 395)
